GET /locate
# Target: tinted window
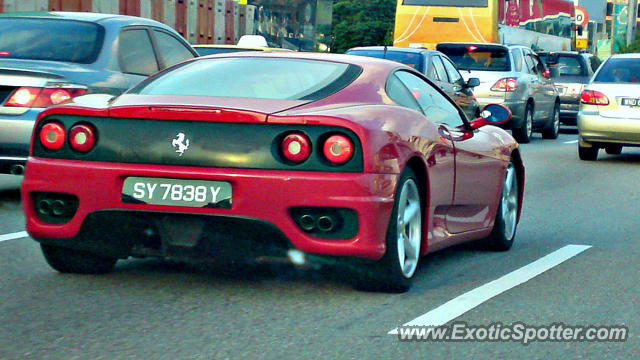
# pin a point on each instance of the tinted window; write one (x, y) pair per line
(434, 105)
(50, 39)
(400, 94)
(266, 78)
(529, 64)
(136, 53)
(170, 49)
(212, 50)
(454, 75)
(594, 62)
(477, 57)
(413, 59)
(568, 65)
(619, 70)
(517, 59)
(441, 73)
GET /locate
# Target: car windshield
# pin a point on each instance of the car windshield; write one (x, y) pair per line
(250, 77)
(49, 39)
(408, 58)
(477, 57)
(619, 70)
(565, 65)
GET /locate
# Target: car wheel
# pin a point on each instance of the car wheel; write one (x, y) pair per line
(394, 272)
(523, 134)
(506, 221)
(67, 260)
(613, 149)
(588, 153)
(552, 130)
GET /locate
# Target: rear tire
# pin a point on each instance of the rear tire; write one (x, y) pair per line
(523, 133)
(73, 261)
(613, 149)
(506, 221)
(588, 153)
(394, 272)
(552, 130)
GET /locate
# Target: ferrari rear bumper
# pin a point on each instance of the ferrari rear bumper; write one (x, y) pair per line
(265, 212)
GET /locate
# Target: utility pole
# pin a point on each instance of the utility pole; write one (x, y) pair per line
(632, 12)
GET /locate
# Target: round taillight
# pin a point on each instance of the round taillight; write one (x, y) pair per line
(338, 149)
(52, 136)
(82, 137)
(296, 147)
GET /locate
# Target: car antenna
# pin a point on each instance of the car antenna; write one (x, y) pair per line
(384, 56)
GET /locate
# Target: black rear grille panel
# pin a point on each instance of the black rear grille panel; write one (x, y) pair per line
(211, 144)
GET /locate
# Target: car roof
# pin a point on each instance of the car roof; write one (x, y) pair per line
(627, 56)
(85, 16)
(396, 49)
(224, 46)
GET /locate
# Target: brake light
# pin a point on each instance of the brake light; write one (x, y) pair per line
(505, 84)
(296, 147)
(5, 53)
(592, 97)
(52, 136)
(82, 137)
(43, 97)
(338, 149)
(472, 48)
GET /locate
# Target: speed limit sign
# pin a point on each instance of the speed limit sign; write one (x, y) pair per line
(582, 17)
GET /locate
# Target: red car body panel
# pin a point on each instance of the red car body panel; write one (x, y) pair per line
(462, 178)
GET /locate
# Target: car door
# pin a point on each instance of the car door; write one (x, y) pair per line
(541, 87)
(462, 94)
(439, 77)
(410, 90)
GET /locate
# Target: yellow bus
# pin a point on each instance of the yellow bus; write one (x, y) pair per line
(543, 24)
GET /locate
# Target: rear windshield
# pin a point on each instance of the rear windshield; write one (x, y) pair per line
(477, 57)
(565, 65)
(620, 70)
(408, 58)
(202, 51)
(252, 77)
(50, 39)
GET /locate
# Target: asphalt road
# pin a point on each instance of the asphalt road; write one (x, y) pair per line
(155, 310)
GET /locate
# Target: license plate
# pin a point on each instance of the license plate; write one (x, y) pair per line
(630, 102)
(177, 192)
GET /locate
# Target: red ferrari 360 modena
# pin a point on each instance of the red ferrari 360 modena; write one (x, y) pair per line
(277, 154)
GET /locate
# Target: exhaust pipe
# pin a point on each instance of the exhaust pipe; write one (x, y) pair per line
(16, 169)
(57, 207)
(307, 222)
(326, 223)
(44, 207)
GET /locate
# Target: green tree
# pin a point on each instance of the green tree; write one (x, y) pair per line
(633, 47)
(362, 23)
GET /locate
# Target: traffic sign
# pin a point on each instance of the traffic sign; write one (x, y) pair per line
(582, 43)
(582, 16)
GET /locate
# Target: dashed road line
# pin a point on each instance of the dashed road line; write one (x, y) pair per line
(13, 236)
(469, 300)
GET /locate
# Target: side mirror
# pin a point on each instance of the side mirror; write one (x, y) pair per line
(492, 114)
(473, 82)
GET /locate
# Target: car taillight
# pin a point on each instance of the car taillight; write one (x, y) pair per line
(338, 149)
(52, 135)
(505, 84)
(82, 137)
(592, 97)
(296, 147)
(43, 97)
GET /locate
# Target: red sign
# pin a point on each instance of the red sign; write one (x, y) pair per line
(582, 16)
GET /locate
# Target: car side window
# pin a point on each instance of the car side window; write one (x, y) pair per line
(400, 94)
(170, 50)
(435, 106)
(517, 59)
(439, 67)
(454, 74)
(594, 63)
(136, 54)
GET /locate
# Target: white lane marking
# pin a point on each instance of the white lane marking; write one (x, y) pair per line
(13, 236)
(571, 142)
(469, 300)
